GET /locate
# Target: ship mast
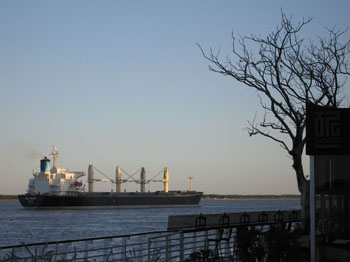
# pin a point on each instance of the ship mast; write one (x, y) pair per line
(190, 178)
(54, 153)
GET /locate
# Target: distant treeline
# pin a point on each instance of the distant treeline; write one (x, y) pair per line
(8, 197)
(211, 196)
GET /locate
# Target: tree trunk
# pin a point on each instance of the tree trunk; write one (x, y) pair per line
(304, 189)
(305, 206)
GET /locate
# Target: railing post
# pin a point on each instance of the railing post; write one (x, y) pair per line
(170, 245)
(167, 248)
(279, 217)
(206, 236)
(228, 240)
(263, 217)
(181, 246)
(245, 218)
(149, 250)
(201, 221)
(86, 250)
(140, 249)
(105, 246)
(124, 248)
(194, 242)
(65, 248)
(224, 220)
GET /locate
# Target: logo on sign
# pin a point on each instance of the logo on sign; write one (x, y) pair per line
(327, 130)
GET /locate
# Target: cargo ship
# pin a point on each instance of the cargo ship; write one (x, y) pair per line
(60, 188)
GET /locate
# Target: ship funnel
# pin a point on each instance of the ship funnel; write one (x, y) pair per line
(143, 180)
(118, 179)
(166, 179)
(45, 165)
(91, 178)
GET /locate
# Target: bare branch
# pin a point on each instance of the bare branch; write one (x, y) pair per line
(287, 72)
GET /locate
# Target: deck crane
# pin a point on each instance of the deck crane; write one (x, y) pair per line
(118, 179)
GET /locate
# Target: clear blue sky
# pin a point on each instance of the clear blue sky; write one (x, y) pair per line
(123, 83)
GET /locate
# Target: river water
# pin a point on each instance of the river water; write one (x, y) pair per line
(19, 225)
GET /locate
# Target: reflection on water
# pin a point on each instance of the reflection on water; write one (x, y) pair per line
(21, 225)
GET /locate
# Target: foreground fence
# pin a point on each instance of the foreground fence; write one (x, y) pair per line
(253, 235)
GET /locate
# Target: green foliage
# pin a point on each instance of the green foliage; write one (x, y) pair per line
(248, 244)
(205, 255)
(278, 244)
(283, 245)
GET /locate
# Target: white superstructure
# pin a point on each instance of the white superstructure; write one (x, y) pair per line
(56, 181)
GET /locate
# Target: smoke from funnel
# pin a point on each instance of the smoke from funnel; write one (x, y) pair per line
(33, 154)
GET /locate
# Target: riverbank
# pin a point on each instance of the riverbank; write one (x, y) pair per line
(247, 197)
(8, 197)
(205, 197)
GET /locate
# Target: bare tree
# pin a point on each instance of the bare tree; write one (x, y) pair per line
(287, 71)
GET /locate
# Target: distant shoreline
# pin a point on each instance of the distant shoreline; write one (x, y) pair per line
(206, 197)
(248, 197)
(244, 198)
(8, 198)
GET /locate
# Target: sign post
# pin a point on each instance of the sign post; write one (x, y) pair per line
(328, 145)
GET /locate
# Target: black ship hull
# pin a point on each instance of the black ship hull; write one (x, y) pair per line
(117, 200)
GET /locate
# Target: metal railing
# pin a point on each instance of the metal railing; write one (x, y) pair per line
(199, 243)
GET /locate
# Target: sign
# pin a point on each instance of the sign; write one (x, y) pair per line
(327, 130)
